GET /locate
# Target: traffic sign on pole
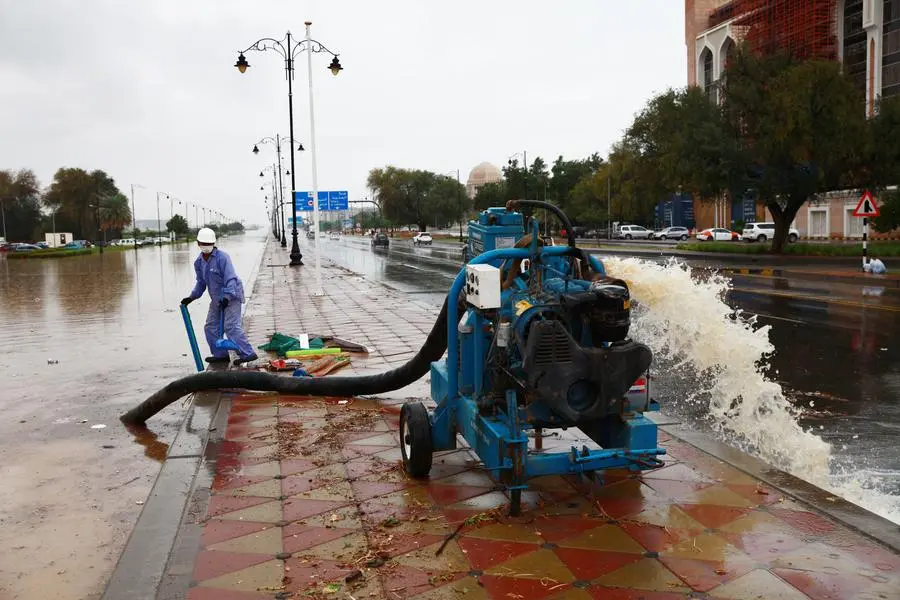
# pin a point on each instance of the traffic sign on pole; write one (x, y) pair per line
(866, 206)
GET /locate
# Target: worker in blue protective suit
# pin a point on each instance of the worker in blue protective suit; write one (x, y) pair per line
(215, 272)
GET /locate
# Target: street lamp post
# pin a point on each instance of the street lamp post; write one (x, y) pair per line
(288, 51)
(460, 197)
(524, 166)
(277, 141)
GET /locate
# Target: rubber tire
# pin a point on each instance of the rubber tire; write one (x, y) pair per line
(683, 238)
(414, 420)
(627, 236)
(792, 238)
(761, 238)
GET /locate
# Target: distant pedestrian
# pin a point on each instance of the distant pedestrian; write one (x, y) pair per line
(215, 272)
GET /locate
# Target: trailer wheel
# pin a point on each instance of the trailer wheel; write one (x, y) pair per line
(415, 439)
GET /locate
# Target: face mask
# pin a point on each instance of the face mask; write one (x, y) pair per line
(206, 249)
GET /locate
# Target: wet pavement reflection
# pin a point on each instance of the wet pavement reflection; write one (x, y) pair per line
(74, 478)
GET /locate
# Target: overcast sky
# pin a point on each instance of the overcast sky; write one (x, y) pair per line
(147, 90)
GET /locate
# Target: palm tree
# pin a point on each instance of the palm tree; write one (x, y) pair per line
(114, 212)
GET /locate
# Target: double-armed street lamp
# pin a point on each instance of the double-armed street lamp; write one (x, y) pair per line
(277, 140)
(289, 48)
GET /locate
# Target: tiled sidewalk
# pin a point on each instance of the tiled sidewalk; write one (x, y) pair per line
(309, 500)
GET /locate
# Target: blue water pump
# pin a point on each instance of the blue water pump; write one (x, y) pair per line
(542, 343)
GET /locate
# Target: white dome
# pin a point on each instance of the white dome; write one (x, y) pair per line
(484, 173)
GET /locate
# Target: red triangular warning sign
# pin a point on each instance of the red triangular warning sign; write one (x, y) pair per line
(866, 206)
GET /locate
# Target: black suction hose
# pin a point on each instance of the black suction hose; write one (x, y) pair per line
(419, 365)
(513, 204)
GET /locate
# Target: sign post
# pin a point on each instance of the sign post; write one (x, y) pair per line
(866, 208)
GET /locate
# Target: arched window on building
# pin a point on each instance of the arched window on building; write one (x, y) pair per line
(725, 53)
(706, 67)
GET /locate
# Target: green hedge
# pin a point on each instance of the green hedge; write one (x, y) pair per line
(876, 249)
(51, 253)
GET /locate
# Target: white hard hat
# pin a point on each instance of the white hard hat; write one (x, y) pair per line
(206, 236)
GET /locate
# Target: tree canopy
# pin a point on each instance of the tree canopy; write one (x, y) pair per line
(417, 196)
(75, 196)
(20, 196)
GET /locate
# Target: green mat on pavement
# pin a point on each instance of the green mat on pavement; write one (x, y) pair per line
(280, 343)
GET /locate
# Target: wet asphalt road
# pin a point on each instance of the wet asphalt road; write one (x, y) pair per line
(73, 478)
(836, 341)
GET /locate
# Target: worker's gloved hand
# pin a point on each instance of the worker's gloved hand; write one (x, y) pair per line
(186, 301)
(223, 303)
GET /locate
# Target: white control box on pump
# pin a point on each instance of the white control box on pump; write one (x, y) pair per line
(483, 286)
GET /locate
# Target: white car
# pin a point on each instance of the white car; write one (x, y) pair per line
(334, 236)
(765, 231)
(718, 234)
(422, 238)
(636, 232)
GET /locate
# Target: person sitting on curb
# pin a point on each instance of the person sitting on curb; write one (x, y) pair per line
(215, 272)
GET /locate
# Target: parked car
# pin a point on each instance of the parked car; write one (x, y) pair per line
(718, 234)
(422, 238)
(310, 235)
(26, 248)
(672, 233)
(334, 236)
(636, 232)
(380, 239)
(764, 231)
(77, 244)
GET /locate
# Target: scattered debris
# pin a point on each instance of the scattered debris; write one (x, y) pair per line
(98, 426)
(353, 575)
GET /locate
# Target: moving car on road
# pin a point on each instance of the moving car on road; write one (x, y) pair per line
(672, 233)
(422, 238)
(764, 231)
(636, 232)
(718, 234)
(310, 235)
(380, 239)
(334, 236)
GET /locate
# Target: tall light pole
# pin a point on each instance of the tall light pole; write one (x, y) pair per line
(277, 140)
(460, 198)
(288, 51)
(134, 214)
(3, 212)
(524, 165)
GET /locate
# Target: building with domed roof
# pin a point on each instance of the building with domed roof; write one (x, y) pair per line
(482, 174)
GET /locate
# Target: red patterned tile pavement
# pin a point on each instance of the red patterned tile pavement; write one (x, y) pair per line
(335, 516)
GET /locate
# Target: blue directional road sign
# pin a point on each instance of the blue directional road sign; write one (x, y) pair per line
(327, 201)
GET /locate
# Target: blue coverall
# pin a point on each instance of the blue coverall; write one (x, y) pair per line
(217, 275)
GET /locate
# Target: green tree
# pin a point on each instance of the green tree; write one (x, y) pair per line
(801, 127)
(889, 206)
(566, 174)
(490, 195)
(71, 195)
(177, 225)
(114, 213)
(20, 197)
(415, 196)
(682, 140)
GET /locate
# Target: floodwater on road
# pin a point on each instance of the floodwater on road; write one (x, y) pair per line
(73, 478)
(835, 351)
